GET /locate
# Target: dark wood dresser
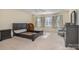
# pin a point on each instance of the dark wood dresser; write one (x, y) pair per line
(5, 34)
(72, 36)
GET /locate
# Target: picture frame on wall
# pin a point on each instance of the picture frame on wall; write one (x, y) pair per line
(73, 17)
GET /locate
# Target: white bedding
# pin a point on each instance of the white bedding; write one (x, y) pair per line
(29, 33)
(20, 31)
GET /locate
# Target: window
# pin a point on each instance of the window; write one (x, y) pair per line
(59, 22)
(38, 21)
(48, 21)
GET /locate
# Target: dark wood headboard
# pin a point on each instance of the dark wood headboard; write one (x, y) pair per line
(17, 26)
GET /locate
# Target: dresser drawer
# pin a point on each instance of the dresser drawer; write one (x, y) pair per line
(0, 36)
(5, 34)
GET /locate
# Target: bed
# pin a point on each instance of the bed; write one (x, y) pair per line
(20, 29)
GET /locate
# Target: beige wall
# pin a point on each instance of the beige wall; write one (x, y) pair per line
(7, 17)
(66, 16)
(77, 17)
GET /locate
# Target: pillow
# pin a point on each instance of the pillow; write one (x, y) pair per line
(20, 31)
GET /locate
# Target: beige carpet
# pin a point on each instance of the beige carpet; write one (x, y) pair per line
(49, 41)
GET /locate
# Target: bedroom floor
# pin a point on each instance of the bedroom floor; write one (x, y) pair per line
(49, 41)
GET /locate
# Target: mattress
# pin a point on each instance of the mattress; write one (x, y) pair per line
(28, 33)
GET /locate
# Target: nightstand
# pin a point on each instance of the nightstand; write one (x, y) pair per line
(5, 34)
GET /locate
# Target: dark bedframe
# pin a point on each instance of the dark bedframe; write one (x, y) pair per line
(18, 26)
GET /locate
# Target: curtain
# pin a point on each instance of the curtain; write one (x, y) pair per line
(43, 21)
(54, 21)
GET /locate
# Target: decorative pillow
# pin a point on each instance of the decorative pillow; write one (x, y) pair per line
(20, 31)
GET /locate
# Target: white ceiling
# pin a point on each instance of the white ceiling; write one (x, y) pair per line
(43, 11)
(37, 11)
